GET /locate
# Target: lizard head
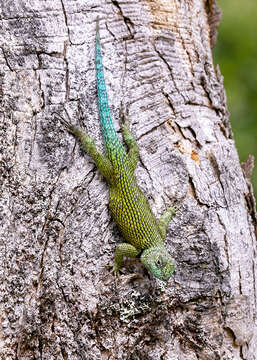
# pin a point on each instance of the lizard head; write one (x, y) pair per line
(159, 262)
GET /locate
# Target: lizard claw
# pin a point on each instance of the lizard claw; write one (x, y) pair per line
(175, 207)
(124, 116)
(114, 270)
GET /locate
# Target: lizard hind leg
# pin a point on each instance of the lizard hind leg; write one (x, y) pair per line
(123, 249)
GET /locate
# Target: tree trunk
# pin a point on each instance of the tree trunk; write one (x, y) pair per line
(58, 299)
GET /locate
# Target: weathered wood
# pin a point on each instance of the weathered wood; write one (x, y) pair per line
(57, 298)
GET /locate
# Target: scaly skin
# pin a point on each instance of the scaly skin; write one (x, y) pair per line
(128, 205)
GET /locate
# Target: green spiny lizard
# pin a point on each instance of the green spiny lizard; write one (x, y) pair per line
(129, 207)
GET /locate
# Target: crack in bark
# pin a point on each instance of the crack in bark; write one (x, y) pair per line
(77, 187)
(184, 47)
(185, 336)
(241, 353)
(47, 219)
(63, 352)
(40, 277)
(15, 143)
(65, 19)
(127, 20)
(226, 247)
(217, 171)
(112, 34)
(59, 240)
(6, 60)
(151, 130)
(42, 94)
(67, 72)
(144, 167)
(170, 71)
(169, 101)
(33, 140)
(193, 133)
(205, 86)
(1, 88)
(194, 193)
(240, 280)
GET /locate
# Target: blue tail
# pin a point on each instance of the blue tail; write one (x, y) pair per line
(113, 145)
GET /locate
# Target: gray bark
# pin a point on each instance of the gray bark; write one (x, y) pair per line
(58, 300)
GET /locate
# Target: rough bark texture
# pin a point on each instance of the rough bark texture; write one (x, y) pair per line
(57, 298)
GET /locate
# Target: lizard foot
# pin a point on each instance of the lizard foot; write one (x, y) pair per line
(174, 208)
(115, 270)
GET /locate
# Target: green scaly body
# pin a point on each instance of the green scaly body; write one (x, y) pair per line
(128, 205)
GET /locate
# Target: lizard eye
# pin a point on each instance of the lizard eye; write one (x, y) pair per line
(158, 262)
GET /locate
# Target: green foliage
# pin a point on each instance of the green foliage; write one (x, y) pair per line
(236, 53)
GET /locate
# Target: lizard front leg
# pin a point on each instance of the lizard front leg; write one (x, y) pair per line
(123, 249)
(164, 221)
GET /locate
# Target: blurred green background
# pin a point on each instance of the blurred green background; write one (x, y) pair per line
(236, 54)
